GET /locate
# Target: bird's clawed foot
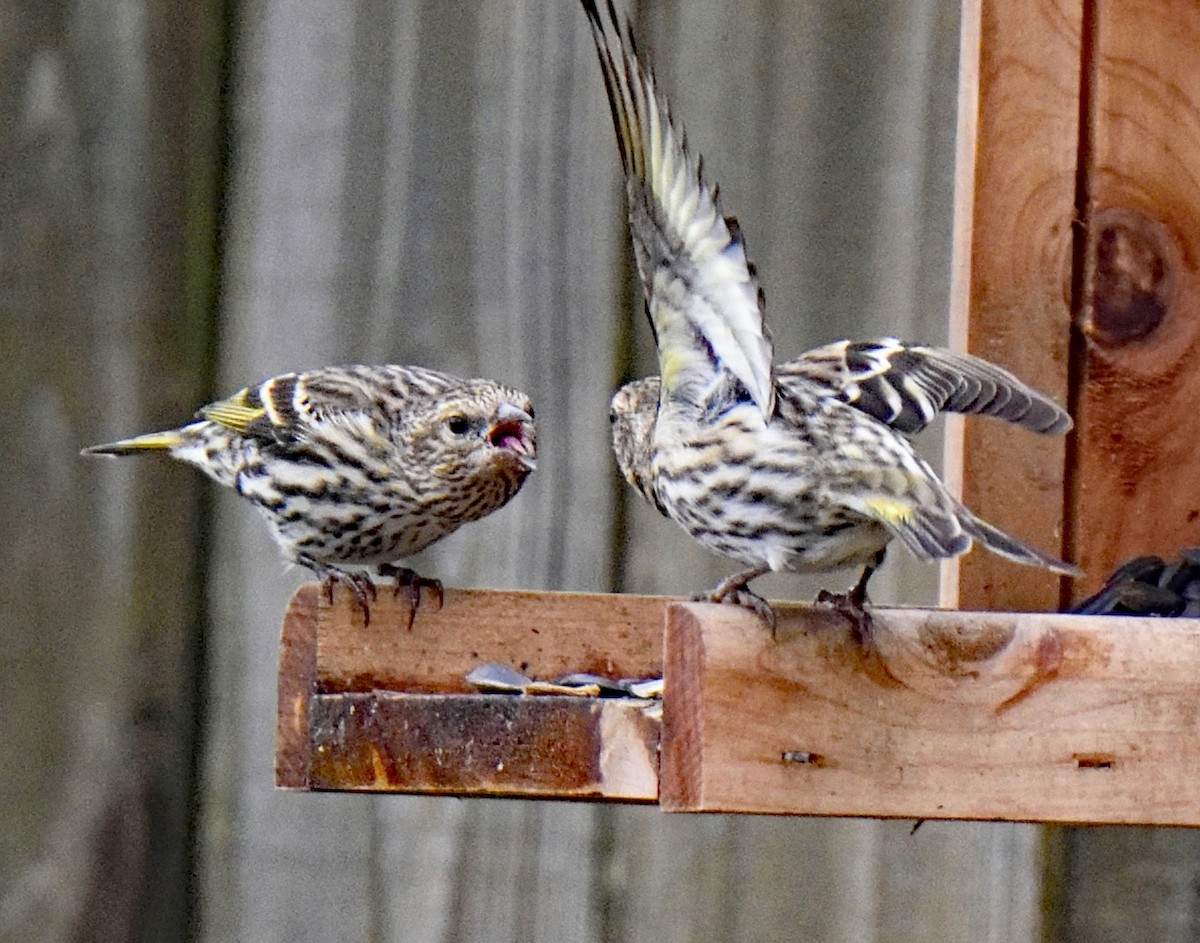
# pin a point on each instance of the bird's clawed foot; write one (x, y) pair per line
(409, 584)
(748, 599)
(360, 584)
(853, 603)
(735, 592)
(854, 608)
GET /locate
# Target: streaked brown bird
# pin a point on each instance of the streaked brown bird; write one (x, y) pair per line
(904, 386)
(802, 466)
(358, 467)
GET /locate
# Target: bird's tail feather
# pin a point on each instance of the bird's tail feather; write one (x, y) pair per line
(151, 442)
(1006, 545)
(937, 532)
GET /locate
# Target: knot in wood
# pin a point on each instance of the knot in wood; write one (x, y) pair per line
(960, 650)
(1132, 288)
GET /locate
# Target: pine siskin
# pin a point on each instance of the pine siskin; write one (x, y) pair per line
(805, 466)
(358, 467)
(904, 386)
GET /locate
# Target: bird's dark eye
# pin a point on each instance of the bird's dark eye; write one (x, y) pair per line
(612, 417)
(458, 424)
(530, 412)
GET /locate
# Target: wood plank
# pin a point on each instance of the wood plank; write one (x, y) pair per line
(543, 635)
(273, 867)
(462, 744)
(109, 170)
(1127, 884)
(1135, 486)
(1136, 482)
(297, 684)
(1015, 195)
(1038, 717)
(1025, 717)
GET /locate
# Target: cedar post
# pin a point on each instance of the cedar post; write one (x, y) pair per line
(1077, 231)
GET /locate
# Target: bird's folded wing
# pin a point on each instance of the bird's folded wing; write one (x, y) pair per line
(285, 407)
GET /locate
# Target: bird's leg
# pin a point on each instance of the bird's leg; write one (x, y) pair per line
(735, 591)
(857, 596)
(360, 584)
(853, 603)
(410, 583)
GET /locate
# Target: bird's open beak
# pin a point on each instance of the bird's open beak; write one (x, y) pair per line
(514, 430)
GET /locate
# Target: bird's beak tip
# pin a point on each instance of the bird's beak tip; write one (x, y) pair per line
(513, 430)
(507, 412)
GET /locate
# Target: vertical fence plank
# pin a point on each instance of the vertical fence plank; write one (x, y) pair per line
(1083, 208)
(1012, 278)
(108, 166)
(263, 850)
(1135, 486)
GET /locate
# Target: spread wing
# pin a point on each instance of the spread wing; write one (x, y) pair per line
(702, 294)
(905, 386)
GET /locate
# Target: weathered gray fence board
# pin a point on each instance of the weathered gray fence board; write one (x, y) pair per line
(1124, 884)
(107, 173)
(278, 867)
(959, 881)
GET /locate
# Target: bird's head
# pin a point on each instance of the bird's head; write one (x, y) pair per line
(478, 432)
(633, 415)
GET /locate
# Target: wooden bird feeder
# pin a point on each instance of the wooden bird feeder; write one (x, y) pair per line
(1076, 240)
(1032, 717)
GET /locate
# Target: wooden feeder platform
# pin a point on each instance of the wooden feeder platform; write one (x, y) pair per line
(958, 715)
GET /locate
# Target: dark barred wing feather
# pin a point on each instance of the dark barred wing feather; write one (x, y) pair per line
(906, 386)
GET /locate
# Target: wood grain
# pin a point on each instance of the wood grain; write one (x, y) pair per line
(1136, 481)
(109, 167)
(542, 635)
(1015, 203)
(1028, 717)
(555, 747)
(991, 716)
(297, 685)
